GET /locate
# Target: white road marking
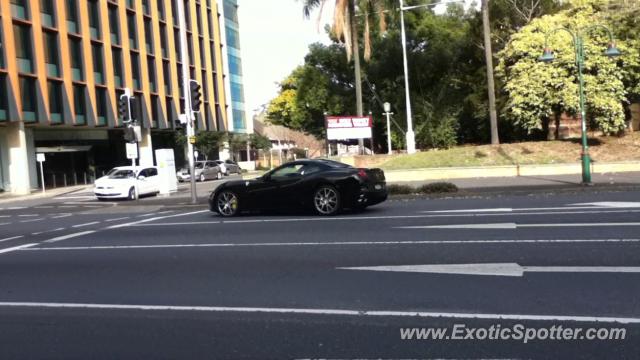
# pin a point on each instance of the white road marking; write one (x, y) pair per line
(5, 216)
(92, 206)
(61, 216)
(334, 312)
(7, 250)
(43, 207)
(11, 238)
(86, 224)
(515, 226)
(32, 220)
(607, 204)
(155, 219)
(615, 204)
(341, 243)
(67, 206)
(494, 269)
(28, 215)
(69, 236)
(117, 219)
(392, 217)
(2, 224)
(88, 197)
(17, 208)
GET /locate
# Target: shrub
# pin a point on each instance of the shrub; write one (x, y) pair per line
(438, 187)
(397, 189)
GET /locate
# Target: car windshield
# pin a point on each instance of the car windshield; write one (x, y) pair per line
(121, 174)
(199, 165)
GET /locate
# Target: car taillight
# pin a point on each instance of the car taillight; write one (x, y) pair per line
(362, 173)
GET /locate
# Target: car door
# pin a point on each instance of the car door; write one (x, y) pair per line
(142, 183)
(288, 180)
(153, 180)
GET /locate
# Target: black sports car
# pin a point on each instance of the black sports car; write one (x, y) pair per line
(324, 186)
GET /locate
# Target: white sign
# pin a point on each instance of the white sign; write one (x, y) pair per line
(132, 151)
(40, 157)
(166, 164)
(348, 127)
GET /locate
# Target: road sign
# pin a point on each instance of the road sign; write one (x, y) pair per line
(40, 157)
(132, 151)
(192, 139)
(348, 127)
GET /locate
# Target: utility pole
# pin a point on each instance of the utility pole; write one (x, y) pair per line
(356, 65)
(411, 136)
(488, 54)
(387, 111)
(186, 84)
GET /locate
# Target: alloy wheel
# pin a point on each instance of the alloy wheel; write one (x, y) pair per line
(227, 203)
(326, 200)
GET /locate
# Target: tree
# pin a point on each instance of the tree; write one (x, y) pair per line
(345, 27)
(488, 55)
(259, 142)
(537, 92)
(209, 141)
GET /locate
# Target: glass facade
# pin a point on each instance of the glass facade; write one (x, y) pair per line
(231, 27)
(47, 14)
(24, 53)
(73, 25)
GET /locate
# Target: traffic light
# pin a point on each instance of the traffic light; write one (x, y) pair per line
(129, 134)
(124, 108)
(196, 95)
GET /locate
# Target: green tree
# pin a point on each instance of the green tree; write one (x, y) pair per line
(209, 141)
(259, 142)
(538, 92)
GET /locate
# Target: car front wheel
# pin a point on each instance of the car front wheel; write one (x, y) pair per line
(227, 203)
(219, 176)
(132, 194)
(326, 200)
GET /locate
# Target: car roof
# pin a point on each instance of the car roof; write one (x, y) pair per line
(131, 167)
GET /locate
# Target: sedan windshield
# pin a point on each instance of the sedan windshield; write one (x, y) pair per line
(121, 174)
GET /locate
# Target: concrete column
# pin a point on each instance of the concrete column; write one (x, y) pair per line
(19, 179)
(146, 148)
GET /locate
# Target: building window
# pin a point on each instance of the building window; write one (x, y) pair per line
(148, 36)
(133, 36)
(47, 14)
(114, 25)
(203, 62)
(79, 104)
(117, 68)
(55, 101)
(163, 40)
(210, 23)
(190, 47)
(167, 77)
(176, 39)
(145, 7)
(2, 63)
(28, 97)
(19, 9)
(94, 19)
(4, 116)
(235, 65)
(212, 50)
(101, 105)
(98, 64)
(169, 105)
(51, 57)
(174, 12)
(151, 66)
(77, 69)
(155, 105)
(135, 70)
(72, 16)
(199, 18)
(187, 14)
(130, 4)
(24, 55)
(161, 13)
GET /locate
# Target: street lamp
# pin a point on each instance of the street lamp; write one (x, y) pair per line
(411, 136)
(578, 46)
(387, 111)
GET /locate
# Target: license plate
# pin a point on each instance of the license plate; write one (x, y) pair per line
(378, 187)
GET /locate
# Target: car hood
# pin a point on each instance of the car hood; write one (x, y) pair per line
(105, 181)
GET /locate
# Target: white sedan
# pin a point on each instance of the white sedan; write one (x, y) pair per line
(127, 182)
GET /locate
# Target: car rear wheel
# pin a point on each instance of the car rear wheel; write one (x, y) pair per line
(326, 200)
(202, 178)
(227, 203)
(132, 194)
(219, 176)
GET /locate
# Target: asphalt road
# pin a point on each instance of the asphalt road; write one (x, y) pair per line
(80, 279)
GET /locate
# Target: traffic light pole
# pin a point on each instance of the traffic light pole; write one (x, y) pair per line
(187, 98)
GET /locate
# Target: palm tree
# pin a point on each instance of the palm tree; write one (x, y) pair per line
(345, 29)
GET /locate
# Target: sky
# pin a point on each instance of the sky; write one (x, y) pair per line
(275, 37)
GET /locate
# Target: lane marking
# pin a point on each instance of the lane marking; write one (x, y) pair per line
(155, 219)
(594, 205)
(1, 224)
(61, 216)
(392, 217)
(117, 219)
(32, 220)
(340, 243)
(514, 226)
(28, 215)
(69, 236)
(11, 238)
(338, 312)
(43, 207)
(5, 216)
(7, 250)
(67, 206)
(86, 224)
(494, 269)
(17, 208)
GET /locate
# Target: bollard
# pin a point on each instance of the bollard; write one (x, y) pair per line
(85, 177)
(54, 179)
(64, 179)
(75, 178)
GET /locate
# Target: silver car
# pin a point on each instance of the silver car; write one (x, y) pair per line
(205, 170)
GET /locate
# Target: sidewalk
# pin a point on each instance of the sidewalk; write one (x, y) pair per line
(6, 197)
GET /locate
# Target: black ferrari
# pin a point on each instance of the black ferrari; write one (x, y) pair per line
(323, 186)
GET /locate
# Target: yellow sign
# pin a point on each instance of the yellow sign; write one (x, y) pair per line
(192, 139)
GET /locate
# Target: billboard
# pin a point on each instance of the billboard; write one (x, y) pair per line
(348, 127)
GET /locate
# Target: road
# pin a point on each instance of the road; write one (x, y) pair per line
(145, 280)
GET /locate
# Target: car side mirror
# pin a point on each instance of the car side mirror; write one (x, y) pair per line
(141, 177)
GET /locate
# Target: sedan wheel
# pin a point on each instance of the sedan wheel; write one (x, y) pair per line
(326, 200)
(227, 203)
(219, 175)
(132, 194)
(202, 178)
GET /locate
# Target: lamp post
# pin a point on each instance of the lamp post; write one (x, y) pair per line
(578, 46)
(387, 111)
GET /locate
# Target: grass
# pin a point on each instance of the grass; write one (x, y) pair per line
(433, 188)
(602, 149)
